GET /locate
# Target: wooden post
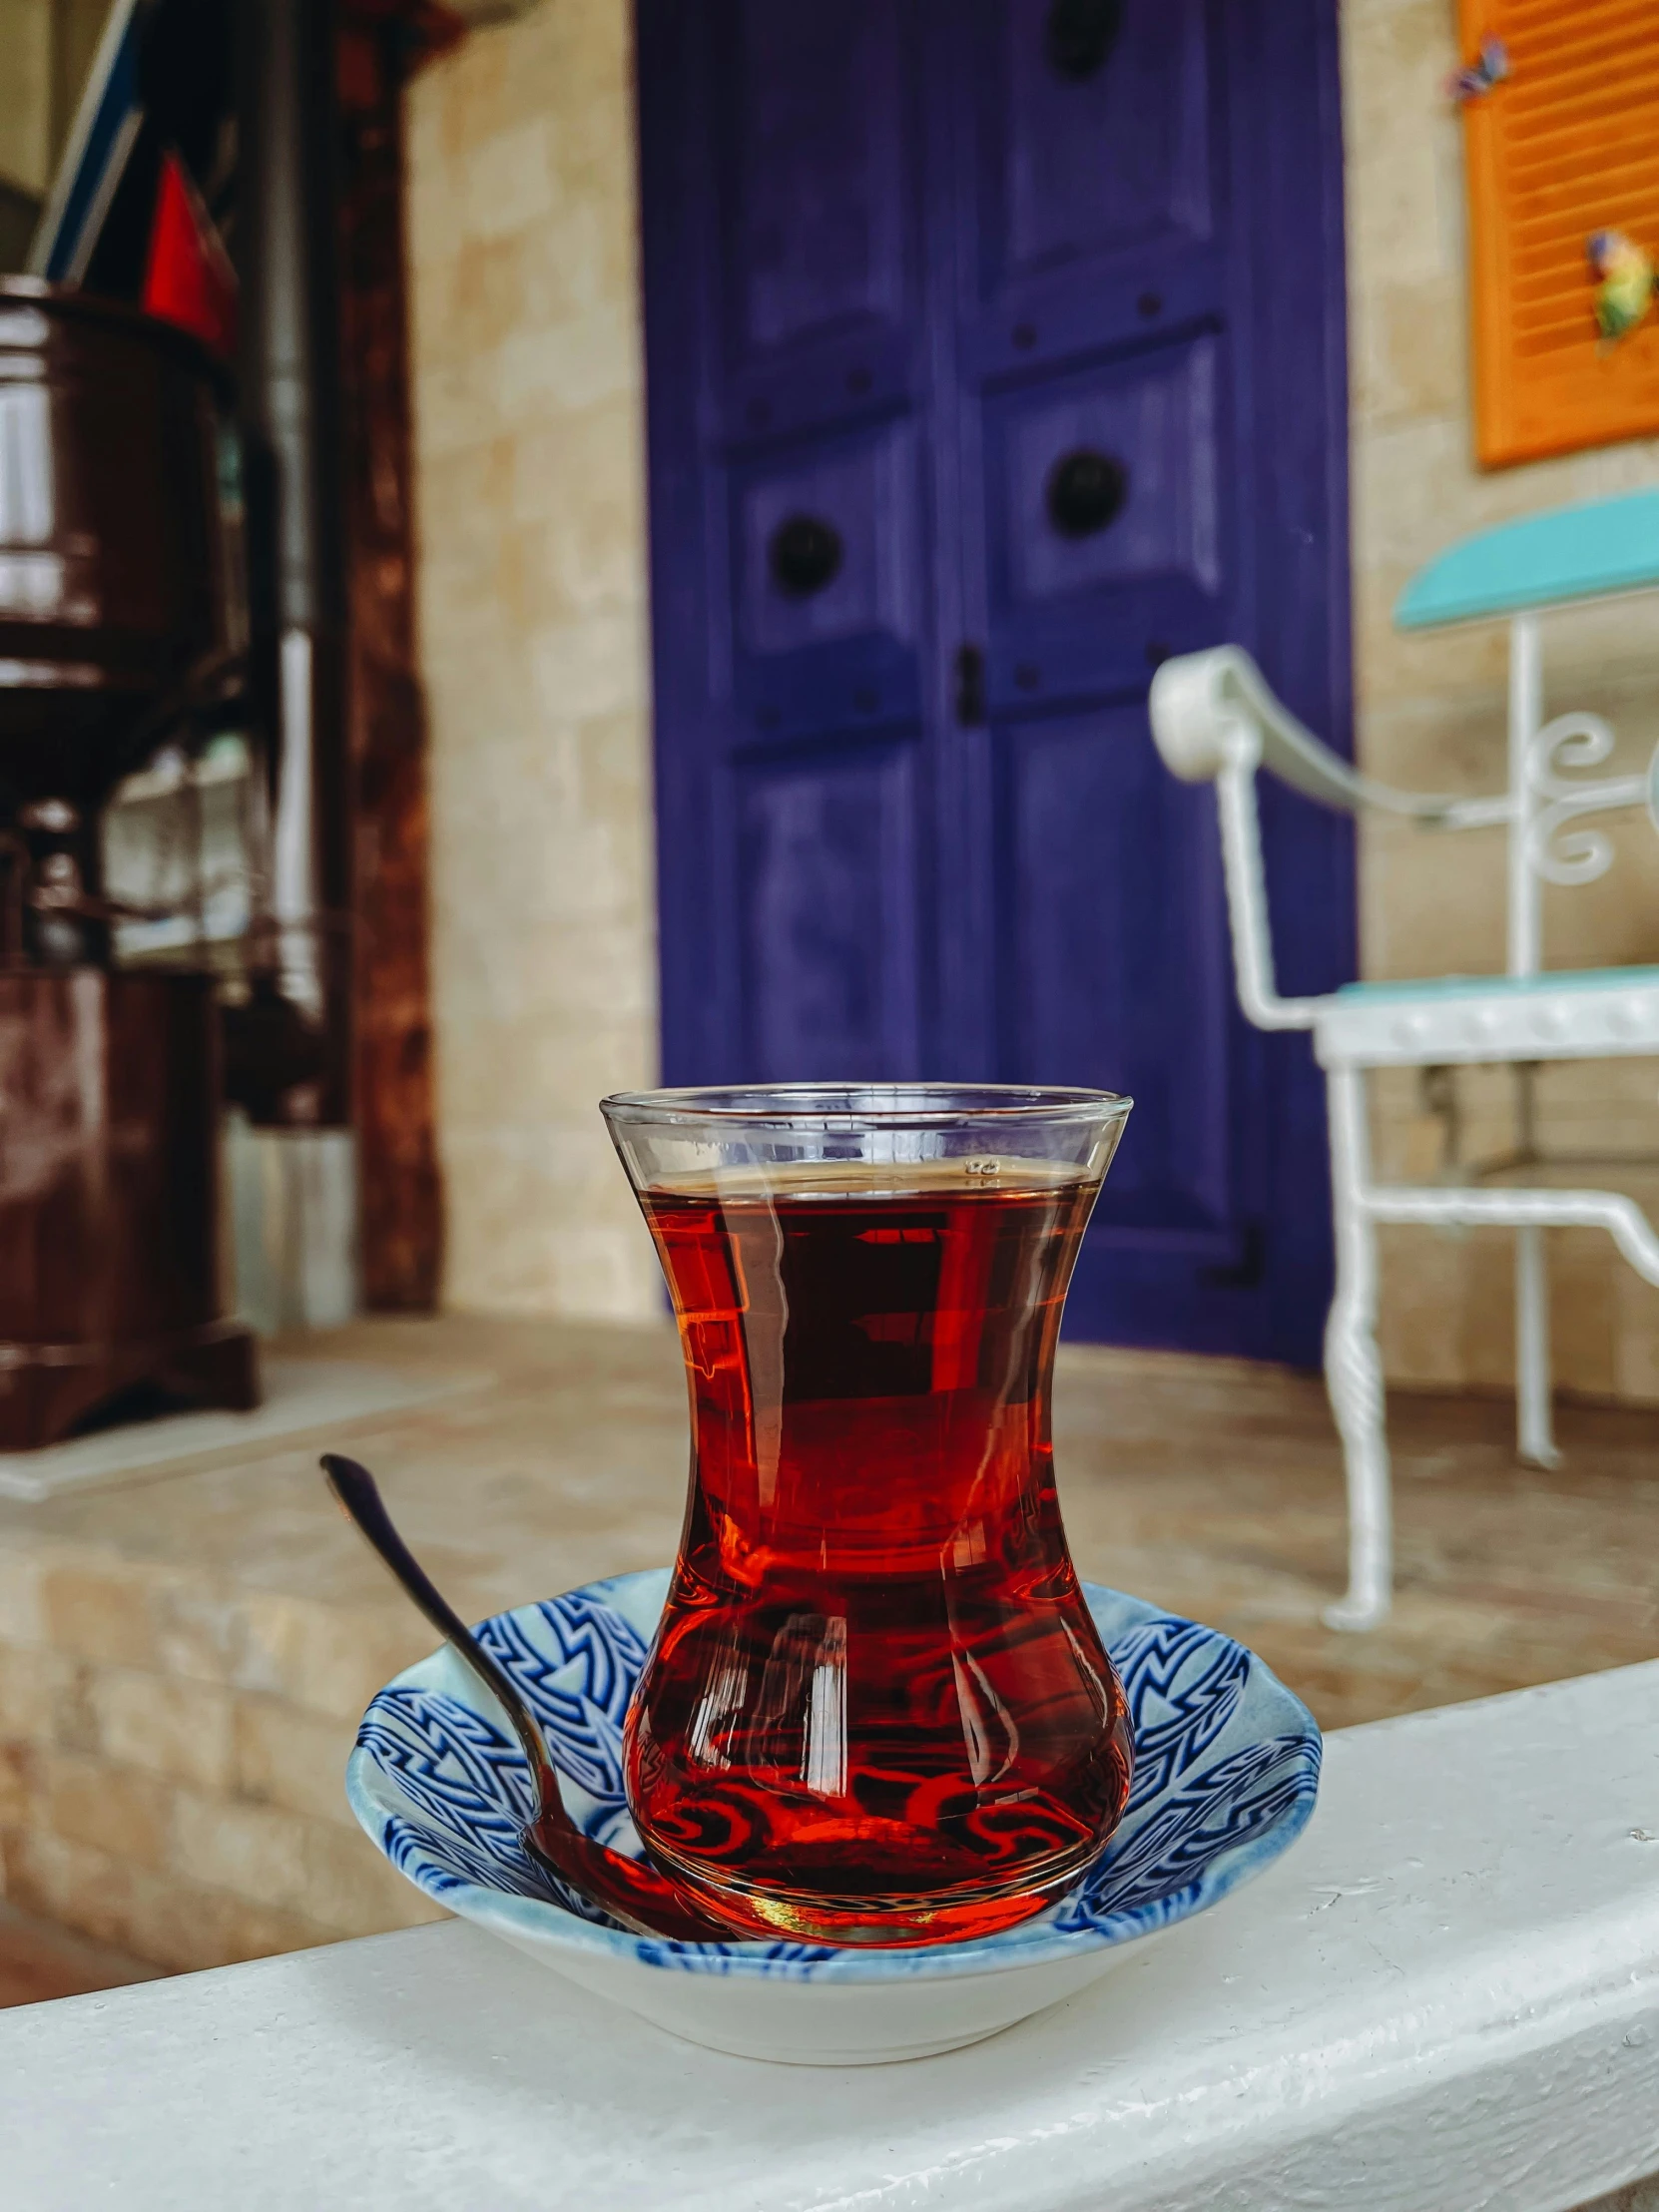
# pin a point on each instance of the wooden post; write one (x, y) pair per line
(402, 1206)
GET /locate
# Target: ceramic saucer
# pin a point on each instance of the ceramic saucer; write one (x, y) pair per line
(1226, 1767)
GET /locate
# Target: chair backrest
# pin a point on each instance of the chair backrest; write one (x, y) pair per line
(1600, 549)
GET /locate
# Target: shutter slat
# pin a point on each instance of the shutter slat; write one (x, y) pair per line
(1578, 43)
(1545, 16)
(1616, 210)
(1591, 55)
(1629, 208)
(1552, 25)
(1546, 24)
(1566, 144)
(1600, 86)
(1555, 131)
(1563, 292)
(1620, 157)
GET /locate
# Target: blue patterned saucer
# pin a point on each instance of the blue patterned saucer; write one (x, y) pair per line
(1227, 1768)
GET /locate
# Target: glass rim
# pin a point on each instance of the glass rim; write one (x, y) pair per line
(819, 1106)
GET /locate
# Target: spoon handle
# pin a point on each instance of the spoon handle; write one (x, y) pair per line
(632, 1892)
(359, 1494)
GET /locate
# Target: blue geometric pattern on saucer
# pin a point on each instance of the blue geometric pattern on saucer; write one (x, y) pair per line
(1227, 1765)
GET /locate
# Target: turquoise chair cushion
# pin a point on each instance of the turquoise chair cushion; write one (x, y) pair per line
(1547, 560)
(1485, 986)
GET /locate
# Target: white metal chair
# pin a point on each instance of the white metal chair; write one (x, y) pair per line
(1215, 719)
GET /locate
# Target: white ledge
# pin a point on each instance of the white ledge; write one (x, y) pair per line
(1446, 1996)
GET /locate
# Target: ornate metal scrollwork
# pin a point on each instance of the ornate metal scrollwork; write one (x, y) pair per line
(1556, 849)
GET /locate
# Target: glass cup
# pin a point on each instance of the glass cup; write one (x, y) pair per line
(876, 1708)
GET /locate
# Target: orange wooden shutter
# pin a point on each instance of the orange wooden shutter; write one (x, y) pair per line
(1566, 144)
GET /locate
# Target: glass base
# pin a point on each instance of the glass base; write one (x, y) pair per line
(893, 1922)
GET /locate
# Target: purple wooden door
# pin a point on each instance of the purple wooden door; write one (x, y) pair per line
(994, 352)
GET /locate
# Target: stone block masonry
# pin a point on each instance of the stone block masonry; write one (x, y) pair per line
(171, 1753)
(529, 433)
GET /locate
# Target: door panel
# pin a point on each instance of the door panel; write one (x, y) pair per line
(1095, 127)
(828, 587)
(827, 868)
(1111, 925)
(1140, 496)
(861, 572)
(816, 123)
(808, 146)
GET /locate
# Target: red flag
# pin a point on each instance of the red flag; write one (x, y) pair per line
(188, 280)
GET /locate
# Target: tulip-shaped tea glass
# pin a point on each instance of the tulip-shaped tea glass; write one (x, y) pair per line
(876, 1710)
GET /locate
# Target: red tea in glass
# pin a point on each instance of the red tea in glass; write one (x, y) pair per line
(876, 1708)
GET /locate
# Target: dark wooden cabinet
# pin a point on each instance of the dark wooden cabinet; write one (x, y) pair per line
(109, 1200)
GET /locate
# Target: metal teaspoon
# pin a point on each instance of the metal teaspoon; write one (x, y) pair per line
(630, 1889)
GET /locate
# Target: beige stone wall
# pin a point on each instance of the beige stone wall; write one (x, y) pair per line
(171, 1751)
(45, 48)
(25, 91)
(533, 607)
(1432, 716)
(529, 435)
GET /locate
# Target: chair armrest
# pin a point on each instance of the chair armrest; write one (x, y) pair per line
(1206, 706)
